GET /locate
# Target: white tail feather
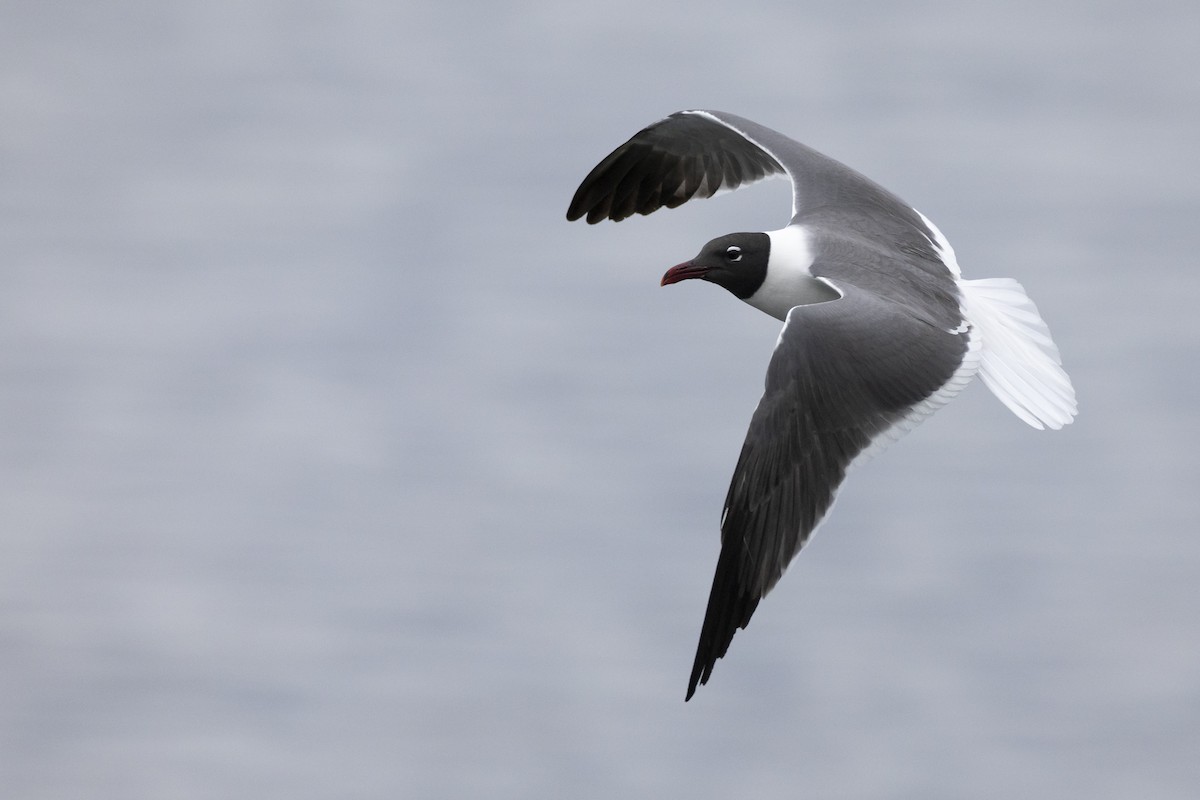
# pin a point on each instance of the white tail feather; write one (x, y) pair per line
(1020, 362)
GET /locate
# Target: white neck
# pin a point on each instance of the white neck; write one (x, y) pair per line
(789, 282)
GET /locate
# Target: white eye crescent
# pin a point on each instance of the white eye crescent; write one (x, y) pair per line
(733, 253)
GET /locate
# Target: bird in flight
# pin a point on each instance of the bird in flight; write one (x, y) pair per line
(880, 330)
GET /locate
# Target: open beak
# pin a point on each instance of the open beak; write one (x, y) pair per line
(684, 271)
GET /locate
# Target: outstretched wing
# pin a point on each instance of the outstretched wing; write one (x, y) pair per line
(844, 373)
(701, 153)
(688, 154)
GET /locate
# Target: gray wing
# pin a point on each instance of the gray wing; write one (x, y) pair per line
(842, 373)
(699, 153)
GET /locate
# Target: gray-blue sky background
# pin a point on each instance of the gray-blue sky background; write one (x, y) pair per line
(335, 463)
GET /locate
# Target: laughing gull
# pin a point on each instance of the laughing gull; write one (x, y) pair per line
(880, 330)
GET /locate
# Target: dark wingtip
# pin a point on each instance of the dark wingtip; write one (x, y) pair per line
(729, 608)
(576, 209)
(701, 670)
(706, 659)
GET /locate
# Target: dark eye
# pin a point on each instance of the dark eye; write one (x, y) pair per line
(734, 253)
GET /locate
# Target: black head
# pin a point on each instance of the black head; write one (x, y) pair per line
(736, 261)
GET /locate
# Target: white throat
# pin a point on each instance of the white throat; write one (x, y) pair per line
(789, 282)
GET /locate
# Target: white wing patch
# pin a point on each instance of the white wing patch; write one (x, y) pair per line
(942, 245)
(1020, 362)
(702, 113)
